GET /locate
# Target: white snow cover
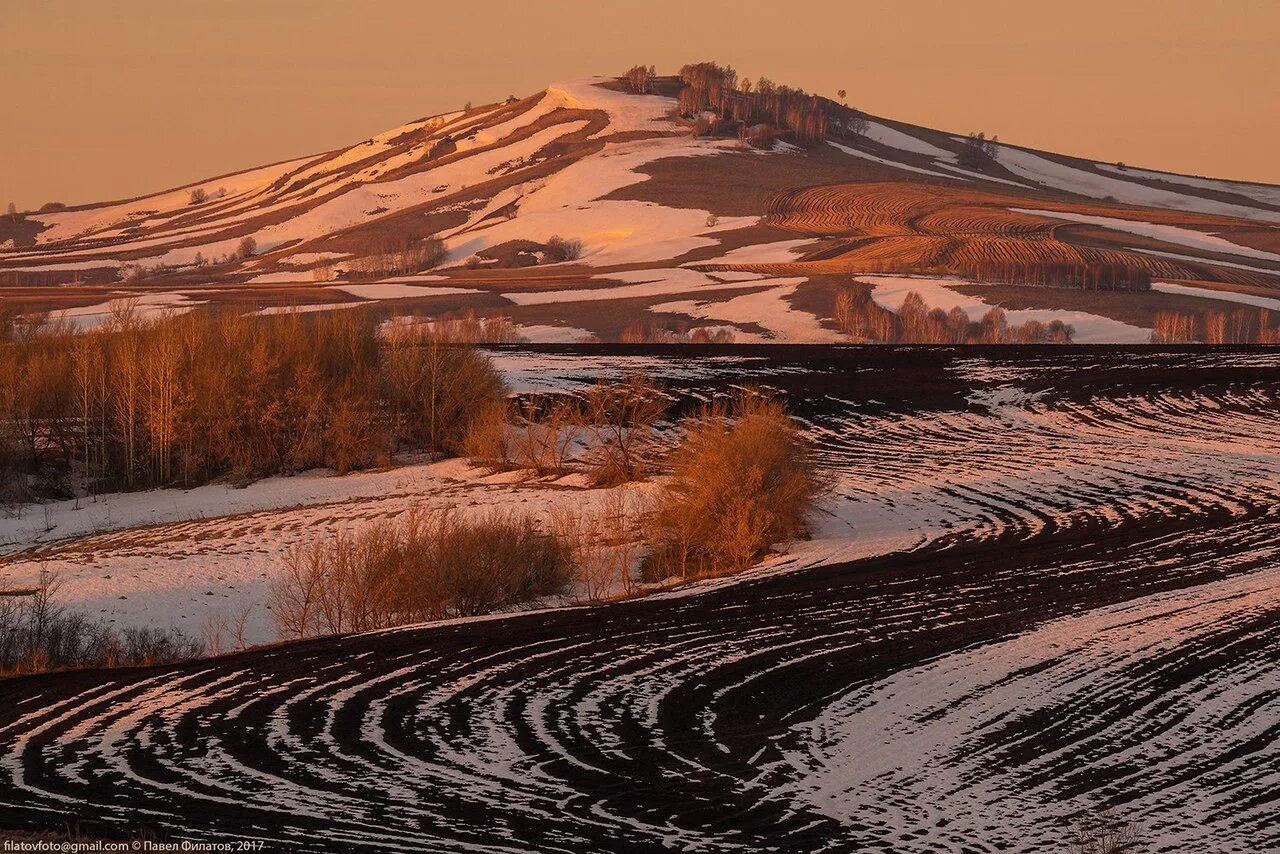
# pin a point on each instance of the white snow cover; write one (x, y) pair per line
(211, 551)
(890, 291)
(647, 283)
(396, 290)
(1167, 233)
(777, 252)
(767, 308)
(904, 142)
(67, 224)
(896, 165)
(1265, 193)
(627, 113)
(894, 138)
(1051, 173)
(1209, 293)
(612, 232)
(90, 316)
(541, 333)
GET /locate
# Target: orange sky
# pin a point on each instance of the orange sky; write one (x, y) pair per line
(112, 99)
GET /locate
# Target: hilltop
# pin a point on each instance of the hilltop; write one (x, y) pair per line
(698, 206)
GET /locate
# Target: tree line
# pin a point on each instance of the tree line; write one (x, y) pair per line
(1241, 326)
(1082, 276)
(915, 322)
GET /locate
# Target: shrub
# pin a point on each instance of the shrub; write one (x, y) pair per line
(485, 441)
(246, 248)
(1104, 833)
(544, 435)
(198, 196)
(744, 480)
(619, 419)
(426, 566)
(916, 323)
(38, 634)
(603, 545)
(563, 249)
(396, 255)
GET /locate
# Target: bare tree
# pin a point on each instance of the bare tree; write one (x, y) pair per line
(1104, 833)
(979, 151)
(620, 418)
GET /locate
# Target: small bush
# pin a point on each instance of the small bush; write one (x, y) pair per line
(563, 249)
(198, 196)
(1104, 833)
(603, 544)
(38, 634)
(619, 419)
(246, 248)
(744, 480)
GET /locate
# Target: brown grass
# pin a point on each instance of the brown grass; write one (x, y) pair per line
(426, 566)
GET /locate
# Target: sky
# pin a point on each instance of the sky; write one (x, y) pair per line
(108, 100)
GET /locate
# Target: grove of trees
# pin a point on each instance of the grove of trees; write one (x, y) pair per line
(720, 102)
(916, 322)
(184, 399)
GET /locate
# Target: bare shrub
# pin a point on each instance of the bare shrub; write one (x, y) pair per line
(468, 327)
(437, 387)
(485, 441)
(198, 196)
(978, 151)
(395, 255)
(39, 634)
(744, 480)
(563, 249)
(604, 545)
(619, 418)
(544, 435)
(425, 566)
(1104, 833)
(917, 323)
(246, 248)
(157, 400)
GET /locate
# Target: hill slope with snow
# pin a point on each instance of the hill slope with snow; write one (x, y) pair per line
(675, 231)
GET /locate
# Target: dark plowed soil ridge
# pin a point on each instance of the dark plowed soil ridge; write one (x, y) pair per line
(1135, 592)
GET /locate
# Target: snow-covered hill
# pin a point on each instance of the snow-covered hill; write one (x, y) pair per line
(675, 231)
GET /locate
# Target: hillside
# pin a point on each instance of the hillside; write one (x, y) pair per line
(665, 231)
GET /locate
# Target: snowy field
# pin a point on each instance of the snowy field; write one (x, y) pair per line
(1039, 587)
